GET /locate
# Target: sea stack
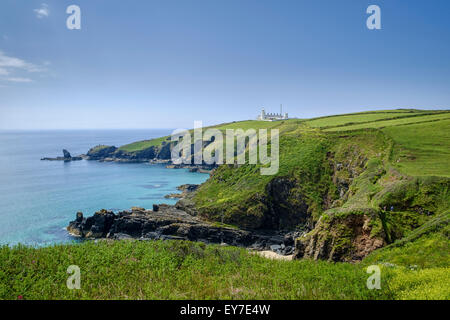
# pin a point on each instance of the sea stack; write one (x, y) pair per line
(66, 157)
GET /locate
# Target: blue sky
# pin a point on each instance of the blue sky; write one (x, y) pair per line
(164, 64)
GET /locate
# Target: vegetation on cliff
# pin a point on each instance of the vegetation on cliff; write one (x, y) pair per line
(357, 182)
(372, 187)
(331, 173)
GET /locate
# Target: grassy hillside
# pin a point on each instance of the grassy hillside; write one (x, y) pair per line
(375, 187)
(363, 117)
(141, 145)
(306, 148)
(422, 149)
(389, 147)
(186, 270)
(427, 246)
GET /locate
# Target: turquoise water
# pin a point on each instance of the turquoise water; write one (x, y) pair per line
(39, 198)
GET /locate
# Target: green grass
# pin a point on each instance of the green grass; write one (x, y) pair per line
(426, 246)
(244, 125)
(172, 270)
(251, 124)
(393, 122)
(432, 250)
(98, 148)
(425, 284)
(346, 119)
(141, 145)
(186, 270)
(419, 262)
(422, 149)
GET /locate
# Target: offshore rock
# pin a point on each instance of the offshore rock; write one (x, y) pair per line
(66, 157)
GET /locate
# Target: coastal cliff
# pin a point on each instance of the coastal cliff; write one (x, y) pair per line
(345, 188)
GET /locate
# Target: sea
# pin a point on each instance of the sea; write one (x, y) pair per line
(39, 198)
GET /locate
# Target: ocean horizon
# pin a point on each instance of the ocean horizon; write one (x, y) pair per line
(39, 198)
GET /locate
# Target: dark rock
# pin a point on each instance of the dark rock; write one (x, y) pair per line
(275, 247)
(122, 236)
(288, 250)
(155, 207)
(101, 152)
(188, 187)
(79, 217)
(67, 157)
(66, 154)
(167, 222)
(152, 235)
(185, 190)
(164, 152)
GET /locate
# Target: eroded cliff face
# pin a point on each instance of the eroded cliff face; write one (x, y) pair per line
(347, 238)
(380, 206)
(286, 206)
(281, 206)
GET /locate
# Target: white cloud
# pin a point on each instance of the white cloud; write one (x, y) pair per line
(21, 80)
(12, 62)
(42, 12)
(16, 67)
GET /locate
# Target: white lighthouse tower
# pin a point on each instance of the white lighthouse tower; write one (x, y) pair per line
(262, 116)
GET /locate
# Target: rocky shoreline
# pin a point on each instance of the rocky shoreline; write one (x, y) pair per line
(113, 154)
(166, 222)
(173, 222)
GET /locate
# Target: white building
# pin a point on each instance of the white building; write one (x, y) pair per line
(273, 116)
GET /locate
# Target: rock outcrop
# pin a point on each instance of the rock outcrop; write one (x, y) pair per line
(168, 222)
(185, 190)
(346, 237)
(160, 153)
(101, 152)
(66, 157)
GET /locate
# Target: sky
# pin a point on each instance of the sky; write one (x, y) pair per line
(167, 63)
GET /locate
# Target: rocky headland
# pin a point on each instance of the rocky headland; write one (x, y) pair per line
(156, 154)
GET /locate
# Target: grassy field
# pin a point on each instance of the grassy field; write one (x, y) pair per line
(417, 118)
(185, 270)
(421, 138)
(422, 149)
(363, 117)
(141, 145)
